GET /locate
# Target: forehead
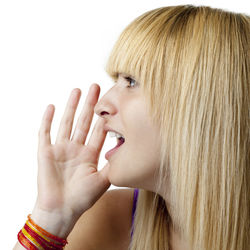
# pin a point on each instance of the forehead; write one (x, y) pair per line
(129, 55)
(139, 49)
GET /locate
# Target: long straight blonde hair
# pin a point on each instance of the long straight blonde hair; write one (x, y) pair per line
(193, 66)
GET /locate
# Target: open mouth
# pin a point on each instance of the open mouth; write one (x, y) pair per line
(120, 138)
(120, 141)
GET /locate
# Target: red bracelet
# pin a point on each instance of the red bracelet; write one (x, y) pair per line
(33, 237)
(44, 232)
(25, 242)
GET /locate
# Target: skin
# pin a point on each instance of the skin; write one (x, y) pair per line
(123, 108)
(68, 169)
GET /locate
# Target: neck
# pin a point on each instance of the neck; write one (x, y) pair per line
(176, 241)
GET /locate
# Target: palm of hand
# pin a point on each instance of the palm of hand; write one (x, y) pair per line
(67, 175)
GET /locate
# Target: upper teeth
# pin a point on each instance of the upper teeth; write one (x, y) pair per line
(114, 134)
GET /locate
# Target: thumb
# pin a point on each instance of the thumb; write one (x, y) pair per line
(104, 174)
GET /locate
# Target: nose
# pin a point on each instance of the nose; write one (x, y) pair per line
(106, 106)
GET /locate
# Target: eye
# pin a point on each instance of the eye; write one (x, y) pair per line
(131, 81)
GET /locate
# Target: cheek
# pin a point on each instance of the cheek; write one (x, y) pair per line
(136, 163)
(142, 136)
(139, 158)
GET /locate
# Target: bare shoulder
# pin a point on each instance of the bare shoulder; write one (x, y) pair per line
(106, 225)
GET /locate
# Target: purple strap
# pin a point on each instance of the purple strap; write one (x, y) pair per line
(136, 191)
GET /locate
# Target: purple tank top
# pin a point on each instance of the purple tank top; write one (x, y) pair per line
(136, 191)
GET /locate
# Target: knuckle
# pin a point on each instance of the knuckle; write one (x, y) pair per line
(45, 152)
(67, 121)
(42, 131)
(85, 130)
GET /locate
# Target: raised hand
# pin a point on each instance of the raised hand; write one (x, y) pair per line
(68, 179)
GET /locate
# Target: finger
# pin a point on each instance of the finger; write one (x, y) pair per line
(104, 175)
(104, 172)
(44, 131)
(85, 119)
(98, 136)
(65, 127)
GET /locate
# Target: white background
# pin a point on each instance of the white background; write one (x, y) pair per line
(47, 48)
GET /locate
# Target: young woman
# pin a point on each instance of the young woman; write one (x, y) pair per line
(180, 110)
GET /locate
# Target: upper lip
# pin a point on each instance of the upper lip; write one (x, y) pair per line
(106, 128)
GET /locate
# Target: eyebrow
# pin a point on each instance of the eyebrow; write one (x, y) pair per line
(125, 75)
(122, 74)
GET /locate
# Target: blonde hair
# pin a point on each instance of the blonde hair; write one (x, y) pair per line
(193, 66)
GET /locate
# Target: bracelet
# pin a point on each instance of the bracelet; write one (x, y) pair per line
(33, 237)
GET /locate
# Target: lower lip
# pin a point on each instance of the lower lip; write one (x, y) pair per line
(112, 151)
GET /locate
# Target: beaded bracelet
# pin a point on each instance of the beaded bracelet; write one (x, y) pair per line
(33, 237)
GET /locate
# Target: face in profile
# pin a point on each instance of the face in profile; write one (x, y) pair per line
(136, 157)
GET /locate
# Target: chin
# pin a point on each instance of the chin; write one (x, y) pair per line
(118, 180)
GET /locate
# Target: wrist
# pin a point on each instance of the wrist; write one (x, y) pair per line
(55, 222)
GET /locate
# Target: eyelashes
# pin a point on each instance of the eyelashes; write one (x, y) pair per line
(132, 82)
(127, 80)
